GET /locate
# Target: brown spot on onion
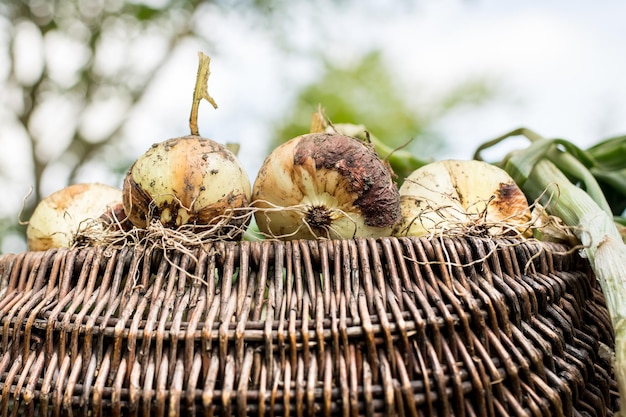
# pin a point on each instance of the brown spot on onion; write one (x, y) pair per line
(509, 200)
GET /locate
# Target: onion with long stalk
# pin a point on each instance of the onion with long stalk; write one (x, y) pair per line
(189, 182)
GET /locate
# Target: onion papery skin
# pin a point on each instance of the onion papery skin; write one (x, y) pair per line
(462, 197)
(58, 218)
(325, 185)
(189, 180)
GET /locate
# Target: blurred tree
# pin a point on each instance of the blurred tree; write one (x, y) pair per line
(367, 93)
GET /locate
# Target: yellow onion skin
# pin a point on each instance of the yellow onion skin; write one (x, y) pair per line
(59, 218)
(325, 185)
(462, 197)
(189, 180)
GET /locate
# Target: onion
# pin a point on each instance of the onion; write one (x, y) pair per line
(465, 197)
(325, 185)
(62, 216)
(190, 180)
(186, 180)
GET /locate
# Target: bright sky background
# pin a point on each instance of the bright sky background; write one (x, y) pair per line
(560, 67)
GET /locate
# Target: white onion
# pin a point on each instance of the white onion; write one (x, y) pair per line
(463, 197)
(189, 180)
(325, 185)
(59, 218)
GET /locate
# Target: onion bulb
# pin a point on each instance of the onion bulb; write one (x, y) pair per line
(325, 185)
(59, 218)
(463, 197)
(187, 180)
(190, 180)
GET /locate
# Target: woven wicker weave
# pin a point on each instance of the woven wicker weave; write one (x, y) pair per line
(418, 327)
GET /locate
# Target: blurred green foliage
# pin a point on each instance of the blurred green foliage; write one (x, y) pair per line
(367, 93)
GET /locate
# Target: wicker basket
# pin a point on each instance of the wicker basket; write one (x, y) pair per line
(418, 327)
